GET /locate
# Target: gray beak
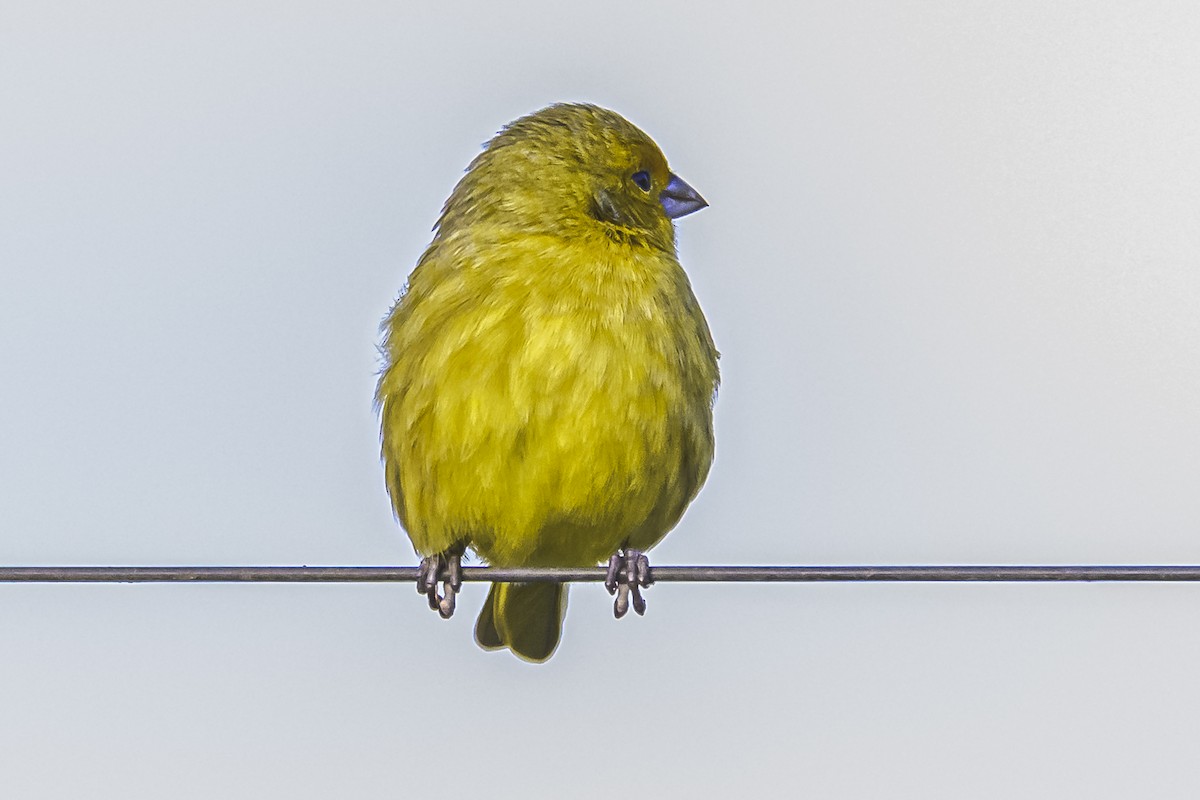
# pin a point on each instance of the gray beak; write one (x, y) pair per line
(679, 199)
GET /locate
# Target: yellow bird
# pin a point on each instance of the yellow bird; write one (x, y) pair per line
(546, 398)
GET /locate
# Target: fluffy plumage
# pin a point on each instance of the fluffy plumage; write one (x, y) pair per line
(547, 393)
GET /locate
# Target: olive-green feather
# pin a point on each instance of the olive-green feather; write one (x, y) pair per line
(524, 617)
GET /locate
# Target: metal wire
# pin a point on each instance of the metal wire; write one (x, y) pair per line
(714, 574)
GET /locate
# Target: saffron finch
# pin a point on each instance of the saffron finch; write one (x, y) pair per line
(546, 398)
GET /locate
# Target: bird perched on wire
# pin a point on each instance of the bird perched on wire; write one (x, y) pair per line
(546, 398)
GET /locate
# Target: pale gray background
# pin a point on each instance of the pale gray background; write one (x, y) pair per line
(951, 262)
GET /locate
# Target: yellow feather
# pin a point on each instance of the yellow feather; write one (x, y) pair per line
(547, 396)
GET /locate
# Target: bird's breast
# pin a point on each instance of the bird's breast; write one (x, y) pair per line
(575, 399)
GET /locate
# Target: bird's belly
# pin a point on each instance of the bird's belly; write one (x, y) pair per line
(569, 448)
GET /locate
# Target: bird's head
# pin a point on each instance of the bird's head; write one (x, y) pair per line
(573, 169)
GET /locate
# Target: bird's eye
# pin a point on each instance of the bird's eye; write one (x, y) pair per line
(642, 179)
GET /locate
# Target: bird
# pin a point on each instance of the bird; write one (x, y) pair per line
(548, 380)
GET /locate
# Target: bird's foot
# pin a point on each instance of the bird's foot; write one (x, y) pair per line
(628, 573)
(448, 567)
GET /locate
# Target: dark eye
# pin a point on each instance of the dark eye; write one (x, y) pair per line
(642, 179)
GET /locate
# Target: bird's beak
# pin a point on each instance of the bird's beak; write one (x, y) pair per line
(679, 199)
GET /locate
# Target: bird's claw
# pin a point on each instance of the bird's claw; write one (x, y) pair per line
(447, 567)
(628, 572)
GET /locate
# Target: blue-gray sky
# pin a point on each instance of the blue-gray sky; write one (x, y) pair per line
(953, 265)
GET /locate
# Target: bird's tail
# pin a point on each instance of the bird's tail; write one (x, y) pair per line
(524, 617)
